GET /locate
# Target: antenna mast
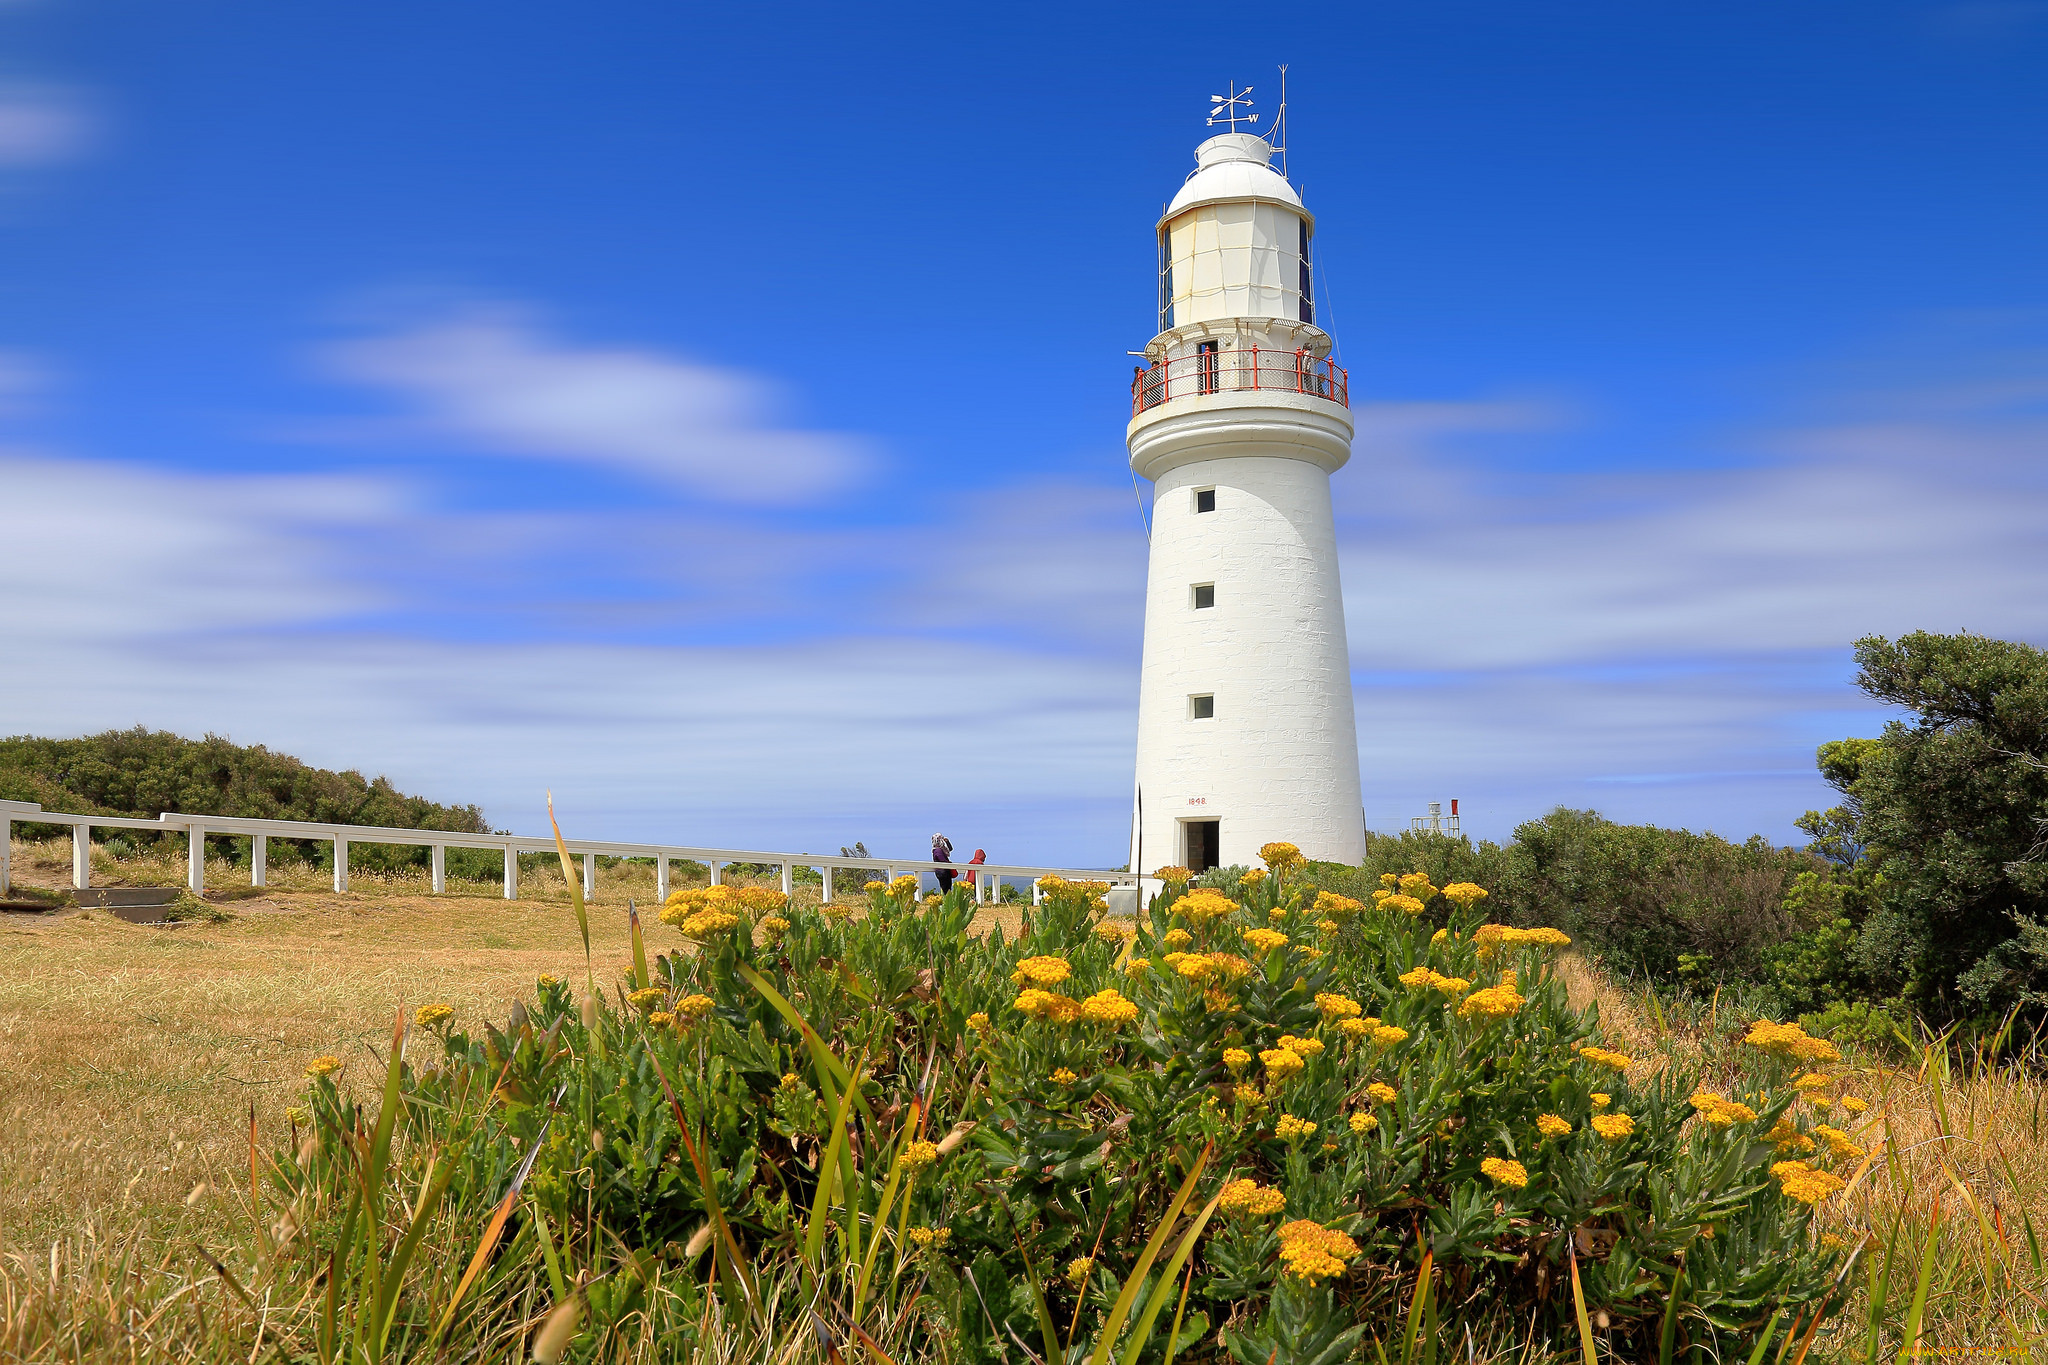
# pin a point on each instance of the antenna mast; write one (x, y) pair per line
(1280, 123)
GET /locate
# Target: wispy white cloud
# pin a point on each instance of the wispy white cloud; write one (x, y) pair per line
(43, 124)
(1911, 521)
(490, 380)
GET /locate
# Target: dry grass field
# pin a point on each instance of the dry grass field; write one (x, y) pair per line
(133, 1053)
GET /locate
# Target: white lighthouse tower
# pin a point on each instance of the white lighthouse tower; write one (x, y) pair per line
(1245, 727)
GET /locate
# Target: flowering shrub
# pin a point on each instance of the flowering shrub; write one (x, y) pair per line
(1009, 1123)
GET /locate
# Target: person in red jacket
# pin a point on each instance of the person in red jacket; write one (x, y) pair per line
(979, 856)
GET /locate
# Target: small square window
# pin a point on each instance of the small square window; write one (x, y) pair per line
(1203, 707)
(1205, 499)
(1205, 595)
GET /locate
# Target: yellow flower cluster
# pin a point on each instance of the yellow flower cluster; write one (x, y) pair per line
(647, 997)
(1494, 1002)
(1613, 1127)
(1292, 1129)
(1253, 877)
(1264, 940)
(978, 1021)
(1552, 1125)
(546, 982)
(1034, 1003)
(708, 923)
(1042, 971)
(904, 885)
(1839, 1145)
(1854, 1105)
(692, 1008)
(1280, 1063)
(1108, 1007)
(1812, 1080)
(1250, 1197)
(1353, 1028)
(1465, 894)
(1231, 965)
(1389, 900)
(1114, 931)
(1176, 939)
(1308, 1049)
(839, 909)
(1363, 1123)
(1719, 1110)
(1173, 876)
(1236, 1059)
(1492, 937)
(430, 1015)
(920, 1154)
(1601, 1101)
(1416, 884)
(1512, 1174)
(1386, 1035)
(1193, 966)
(1064, 1076)
(1382, 1092)
(324, 1066)
(1807, 1184)
(1790, 1040)
(1335, 1007)
(1328, 926)
(1279, 856)
(1422, 978)
(1336, 907)
(1788, 1139)
(1312, 1252)
(1079, 1269)
(1200, 906)
(661, 1018)
(926, 1238)
(791, 1082)
(1600, 1056)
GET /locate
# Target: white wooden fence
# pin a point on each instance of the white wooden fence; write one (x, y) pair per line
(987, 885)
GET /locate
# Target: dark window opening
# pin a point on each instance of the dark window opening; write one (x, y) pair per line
(1205, 845)
(1308, 302)
(1204, 707)
(1165, 281)
(1205, 595)
(1206, 366)
(1205, 500)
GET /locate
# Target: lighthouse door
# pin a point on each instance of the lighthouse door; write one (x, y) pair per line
(1205, 844)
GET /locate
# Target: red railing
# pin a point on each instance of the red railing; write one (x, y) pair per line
(1230, 371)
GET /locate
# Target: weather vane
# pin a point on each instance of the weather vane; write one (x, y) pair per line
(1232, 102)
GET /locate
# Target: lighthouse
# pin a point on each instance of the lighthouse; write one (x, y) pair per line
(1246, 733)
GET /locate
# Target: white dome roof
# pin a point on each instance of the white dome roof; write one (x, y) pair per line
(1233, 166)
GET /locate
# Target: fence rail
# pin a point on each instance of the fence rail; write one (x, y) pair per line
(196, 828)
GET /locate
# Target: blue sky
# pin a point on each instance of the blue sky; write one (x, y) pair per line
(715, 414)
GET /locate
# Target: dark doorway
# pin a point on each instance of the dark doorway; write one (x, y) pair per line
(1205, 844)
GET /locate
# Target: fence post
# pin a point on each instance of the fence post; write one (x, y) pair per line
(1037, 896)
(81, 856)
(440, 868)
(6, 849)
(789, 879)
(590, 876)
(825, 897)
(340, 863)
(714, 872)
(511, 873)
(195, 858)
(661, 879)
(259, 860)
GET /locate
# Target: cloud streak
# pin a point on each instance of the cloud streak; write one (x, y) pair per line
(42, 125)
(489, 381)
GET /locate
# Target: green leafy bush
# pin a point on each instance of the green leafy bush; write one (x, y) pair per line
(1262, 1123)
